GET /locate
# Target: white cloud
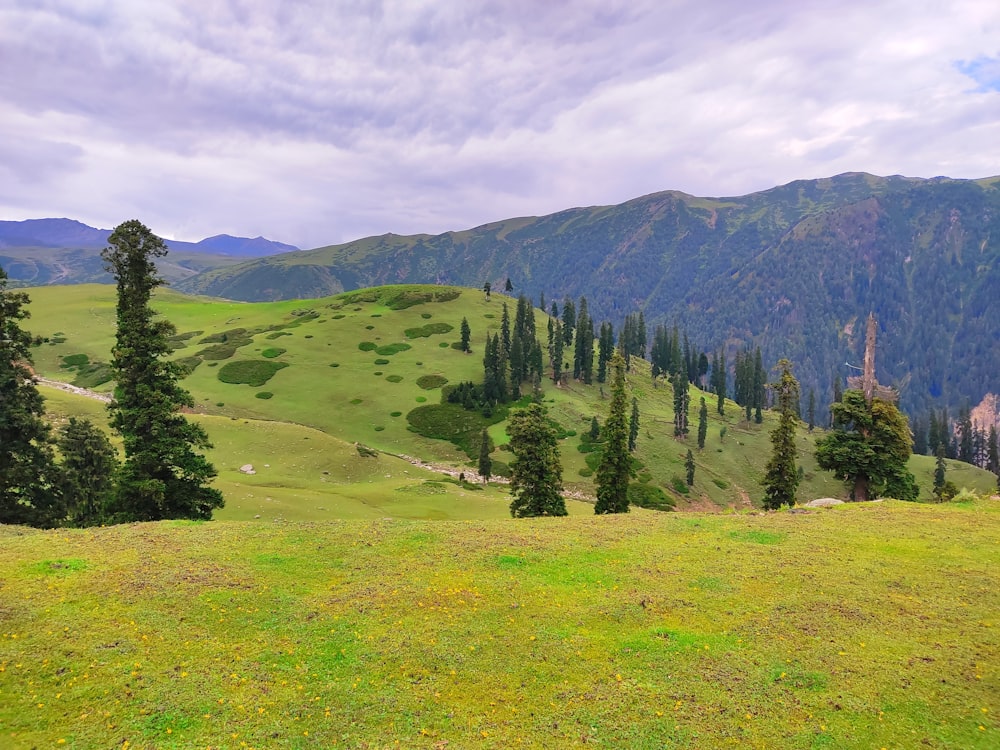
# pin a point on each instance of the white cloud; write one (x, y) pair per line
(315, 122)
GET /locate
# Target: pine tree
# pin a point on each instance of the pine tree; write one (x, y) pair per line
(605, 348)
(568, 321)
(939, 472)
(87, 471)
(869, 446)
(965, 437)
(702, 424)
(508, 287)
(466, 336)
(689, 468)
(993, 452)
(163, 475)
(633, 426)
(781, 478)
(505, 333)
(595, 429)
(27, 468)
(557, 354)
(681, 402)
(720, 382)
(758, 387)
(485, 463)
(487, 288)
(535, 472)
(812, 410)
(615, 469)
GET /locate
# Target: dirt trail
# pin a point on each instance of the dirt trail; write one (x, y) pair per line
(105, 397)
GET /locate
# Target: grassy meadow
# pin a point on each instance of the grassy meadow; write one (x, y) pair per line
(864, 626)
(332, 372)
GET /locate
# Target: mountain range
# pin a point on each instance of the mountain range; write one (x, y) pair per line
(795, 270)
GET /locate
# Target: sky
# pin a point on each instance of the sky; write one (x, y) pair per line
(321, 121)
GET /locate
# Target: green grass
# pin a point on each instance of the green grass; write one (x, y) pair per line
(864, 627)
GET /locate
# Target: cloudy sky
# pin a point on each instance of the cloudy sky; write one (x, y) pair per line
(320, 121)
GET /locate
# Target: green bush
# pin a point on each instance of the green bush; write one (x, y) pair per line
(649, 496)
(188, 365)
(429, 382)
(272, 352)
(252, 372)
(277, 335)
(426, 316)
(263, 394)
(338, 316)
(381, 361)
(394, 378)
(379, 428)
(75, 360)
(335, 364)
(396, 414)
(421, 399)
(93, 375)
(722, 484)
(454, 423)
(355, 401)
(586, 472)
(679, 485)
(377, 373)
(367, 346)
(390, 349)
(428, 329)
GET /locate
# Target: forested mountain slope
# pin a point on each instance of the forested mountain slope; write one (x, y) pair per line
(792, 269)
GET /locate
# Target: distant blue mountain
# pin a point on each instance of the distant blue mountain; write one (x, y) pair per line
(74, 235)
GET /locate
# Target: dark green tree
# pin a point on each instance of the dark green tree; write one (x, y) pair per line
(485, 463)
(605, 348)
(595, 429)
(568, 321)
(163, 475)
(557, 353)
(702, 424)
(505, 333)
(812, 410)
(488, 288)
(466, 336)
(781, 477)
(633, 426)
(689, 468)
(939, 471)
(719, 386)
(535, 472)
(868, 447)
(508, 287)
(86, 473)
(682, 401)
(27, 470)
(615, 469)
(993, 452)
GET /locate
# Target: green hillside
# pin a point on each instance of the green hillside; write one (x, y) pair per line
(863, 627)
(352, 369)
(791, 269)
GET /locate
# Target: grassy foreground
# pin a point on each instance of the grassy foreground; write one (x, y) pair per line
(865, 626)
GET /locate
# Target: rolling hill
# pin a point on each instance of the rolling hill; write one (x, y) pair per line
(792, 269)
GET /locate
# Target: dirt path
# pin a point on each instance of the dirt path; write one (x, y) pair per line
(106, 398)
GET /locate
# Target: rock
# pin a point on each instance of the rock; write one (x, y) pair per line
(247, 469)
(824, 502)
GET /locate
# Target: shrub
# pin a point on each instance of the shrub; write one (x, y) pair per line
(429, 382)
(367, 346)
(369, 328)
(649, 496)
(272, 352)
(426, 316)
(338, 316)
(444, 344)
(722, 484)
(394, 378)
(335, 364)
(428, 329)
(586, 472)
(420, 399)
(93, 375)
(252, 372)
(277, 334)
(396, 414)
(679, 485)
(355, 401)
(263, 394)
(381, 361)
(377, 373)
(379, 428)
(389, 349)
(188, 365)
(365, 452)
(75, 360)
(453, 423)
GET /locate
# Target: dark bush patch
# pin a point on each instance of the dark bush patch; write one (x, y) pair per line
(429, 382)
(389, 349)
(263, 394)
(369, 328)
(253, 372)
(376, 315)
(379, 428)
(213, 364)
(444, 344)
(220, 404)
(309, 336)
(335, 364)
(396, 414)
(272, 352)
(418, 364)
(586, 472)
(428, 329)
(679, 485)
(491, 316)
(365, 452)
(394, 378)
(722, 484)
(355, 401)
(454, 423)
(649, 496)
(381, 361)
(56, 339)
(75, 360)
(338, 316)
(277, 335)
(426, 316)
(93, 375)
(420, 399)
(188, 365)
(367, 346)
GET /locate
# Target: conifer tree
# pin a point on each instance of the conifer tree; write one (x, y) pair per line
(505, 334)
(568, 321)
(466, 336)
(812, 410)
(939, 472)
(869, 446)
(633, 426)
(719, 373)
(557, 354)
(605, 348)
(508, 287)
(781, 478)
(689, 468)
(615, 469)
(702, 424)
(485, 463)
(993, 452)
(487, 288)
(87, 471)
(595, 428)
(164, 475)
(27, 468)
(535, 472)
(681, 402)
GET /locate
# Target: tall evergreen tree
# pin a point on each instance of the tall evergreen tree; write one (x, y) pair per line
(557, 354)
(682, 400)
(689, 466)
(535, 472)
(939, 472)
(702, 424)
(568, 321)
(965, 436)
(812, 410)
(633, 426)
(505, 333)
(87, 471)
(781, 478)
(615, 469)
(485, 463)
(759, 387)
(720, 382)
(605, 348)
(993, 452)
(164, 475)
(27, 468)
(508, 287)
(466, 334)
(869, 446)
